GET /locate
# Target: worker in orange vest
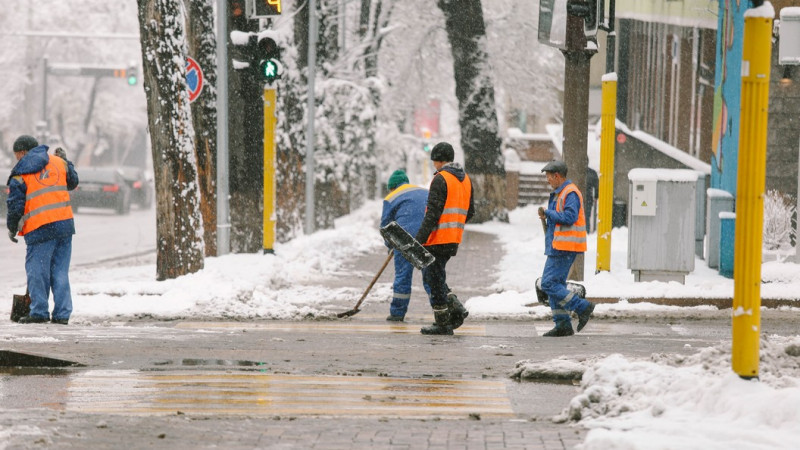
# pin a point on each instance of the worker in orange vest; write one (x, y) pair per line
(564, 239)
(449, 208)
(39, 210)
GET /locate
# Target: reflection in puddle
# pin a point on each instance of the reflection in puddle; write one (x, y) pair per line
(256, 393)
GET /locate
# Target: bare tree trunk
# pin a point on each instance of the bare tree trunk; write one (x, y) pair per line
(203, 48)
(179, 225)
(477, 115)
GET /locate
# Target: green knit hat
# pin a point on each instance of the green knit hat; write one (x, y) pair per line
(398, 177)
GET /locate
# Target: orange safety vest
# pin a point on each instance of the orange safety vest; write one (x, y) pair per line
(450, 228)
(46, 199)
(571, 238)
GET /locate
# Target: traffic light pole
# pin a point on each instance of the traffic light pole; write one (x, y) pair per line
(223, 203)
(576, 112)
(310, 109)
(45, 128)
(270, 122)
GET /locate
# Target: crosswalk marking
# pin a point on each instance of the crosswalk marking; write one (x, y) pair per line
(328, 327)
(128, 392)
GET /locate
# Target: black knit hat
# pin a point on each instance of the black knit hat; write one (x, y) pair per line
(25, 143)
(443, 152)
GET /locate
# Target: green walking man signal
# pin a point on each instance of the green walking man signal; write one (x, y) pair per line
(268, 55)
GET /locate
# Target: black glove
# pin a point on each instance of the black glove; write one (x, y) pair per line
(60, 153)
(13, 236)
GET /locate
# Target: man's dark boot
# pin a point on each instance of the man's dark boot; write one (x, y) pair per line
(457, 311)
(442, 324)
(583, 317)
(561, 329)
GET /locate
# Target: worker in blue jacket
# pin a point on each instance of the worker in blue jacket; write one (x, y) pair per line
(39, 210)
(405, 205)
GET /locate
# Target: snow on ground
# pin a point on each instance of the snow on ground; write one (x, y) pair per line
(666, 401)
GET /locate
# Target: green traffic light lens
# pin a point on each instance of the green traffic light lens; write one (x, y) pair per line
(269, 70)
(131, 81)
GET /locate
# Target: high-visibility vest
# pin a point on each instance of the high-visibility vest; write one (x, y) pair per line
(47, 198)
(571, 238)
(450, 228)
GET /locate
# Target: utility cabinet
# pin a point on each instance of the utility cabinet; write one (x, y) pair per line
(662, 221)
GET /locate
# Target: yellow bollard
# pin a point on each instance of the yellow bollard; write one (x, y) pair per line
(605, 201)
(270, 122)
(752, 168)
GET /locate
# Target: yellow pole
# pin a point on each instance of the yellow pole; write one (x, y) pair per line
(605, 201)
(752, 168)
(270, 121)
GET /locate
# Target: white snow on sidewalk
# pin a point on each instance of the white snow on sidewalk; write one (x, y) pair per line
(664, 402)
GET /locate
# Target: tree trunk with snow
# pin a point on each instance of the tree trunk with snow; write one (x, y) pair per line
(202, 43)
(477, 113)
(178, 221)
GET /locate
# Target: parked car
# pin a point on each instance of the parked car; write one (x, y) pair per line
(101, 187)
(142, 190)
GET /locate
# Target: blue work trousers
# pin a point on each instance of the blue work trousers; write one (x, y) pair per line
(403, 275)
(554, 284)
(47, 268)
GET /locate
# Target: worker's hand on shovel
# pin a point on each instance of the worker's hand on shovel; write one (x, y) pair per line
(13, 236)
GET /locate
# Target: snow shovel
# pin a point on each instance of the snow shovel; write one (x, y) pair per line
(20, 306)
(355, 309)
(413, 251)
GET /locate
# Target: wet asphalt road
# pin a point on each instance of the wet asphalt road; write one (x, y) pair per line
(353, 383)
(315, 384)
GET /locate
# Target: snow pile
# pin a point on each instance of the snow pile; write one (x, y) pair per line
(696, 401)
(235, 286)
(678, 401)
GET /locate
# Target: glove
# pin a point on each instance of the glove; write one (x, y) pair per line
(13, 236)
(60, 153)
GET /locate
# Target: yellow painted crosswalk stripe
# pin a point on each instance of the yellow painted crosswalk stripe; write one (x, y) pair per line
(327, 327)
(261, 394)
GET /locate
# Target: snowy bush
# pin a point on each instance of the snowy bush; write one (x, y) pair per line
(778, 212)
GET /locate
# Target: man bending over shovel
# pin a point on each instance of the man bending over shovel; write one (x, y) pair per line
(449, 207)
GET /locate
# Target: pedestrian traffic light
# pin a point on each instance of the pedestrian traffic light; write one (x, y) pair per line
(268, 56)
(133, 75)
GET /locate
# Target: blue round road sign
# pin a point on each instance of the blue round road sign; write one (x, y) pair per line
(194, 79)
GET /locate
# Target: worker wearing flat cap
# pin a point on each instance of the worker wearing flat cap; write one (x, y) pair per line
(565, 238)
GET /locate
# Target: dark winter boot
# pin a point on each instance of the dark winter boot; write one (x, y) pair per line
(561, 329)
(457, 311)
(583, 318)
(442, 324)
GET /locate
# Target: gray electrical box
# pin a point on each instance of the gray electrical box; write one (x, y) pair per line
(719, 201)
(662, 220)
(789, 36)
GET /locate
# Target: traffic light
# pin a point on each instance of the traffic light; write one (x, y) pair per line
(426, 140)
(259, 9)
(591, 11)
(133, 75)
(268, 56)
